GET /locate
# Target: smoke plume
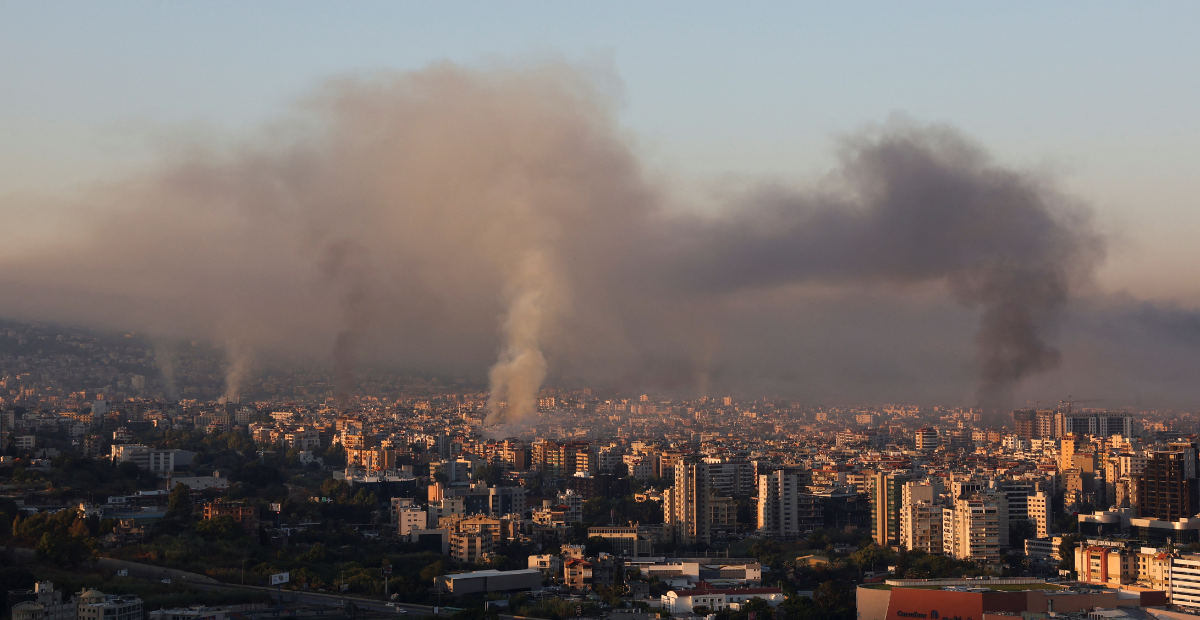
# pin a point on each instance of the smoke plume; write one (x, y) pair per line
(456, 220)
(164, 359)
(915, 204)
(347, 266)
(521, 369)
(238, 364)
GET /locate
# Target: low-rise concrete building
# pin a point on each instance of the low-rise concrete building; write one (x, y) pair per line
(705, 600)
(491, 581)
(96, 605)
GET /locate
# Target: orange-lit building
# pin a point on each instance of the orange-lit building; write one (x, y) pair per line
(246, 516)
(970, 598)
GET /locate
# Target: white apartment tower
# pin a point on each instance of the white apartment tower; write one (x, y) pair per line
(778, 503)
(1039, 513)
(921, 518)
(976, 528)
(921, 527)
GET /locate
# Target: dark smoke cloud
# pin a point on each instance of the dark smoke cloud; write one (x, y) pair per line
(347, 264)
(462, 220)
(916, 204)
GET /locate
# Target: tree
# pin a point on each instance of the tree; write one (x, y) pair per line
(338, 490)
(221, 528)
(257, 475)
(129, 469)
(801, 608)
(1067, 551)
(435, 569)
(335, 456)
(1018, 531)
(871, 556)
(66, 551)
(597, 544)
(179, 502)
(493, 476)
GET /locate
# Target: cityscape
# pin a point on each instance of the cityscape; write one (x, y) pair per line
(599, 311)
(405, 500)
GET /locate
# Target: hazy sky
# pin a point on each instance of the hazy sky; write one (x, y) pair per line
(712, 100)
(1103, 94)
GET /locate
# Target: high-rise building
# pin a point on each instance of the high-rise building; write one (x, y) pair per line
(1018, 493)
(690, 507)
(927, 440)
(886, 490)
(1102, 424)
(921, 526)
(976, 528)
(1066, 451)
(1039, 512)
(1044, 419)
(1185, 581)
(1167, 488)
(514, 455)
(1025, 423)
(779, 503)
(578, 457)
(731, 477)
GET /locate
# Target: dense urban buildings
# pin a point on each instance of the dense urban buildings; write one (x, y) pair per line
(679, 502)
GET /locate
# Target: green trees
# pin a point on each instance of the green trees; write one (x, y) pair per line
(64, 538)
(622, 510)
(257, 475)
(335, 456)
(69, 551)
(493, 476)
(872, 557)
(129, 469)
(179, 502)
(221, 528)
(1067, 551)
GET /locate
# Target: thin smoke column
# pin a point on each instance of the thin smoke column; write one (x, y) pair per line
(521, 369)
(347, 266)
(239, 362)
(164, 358)
(345, 361)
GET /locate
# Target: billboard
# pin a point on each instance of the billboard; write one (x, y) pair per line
(279, 578)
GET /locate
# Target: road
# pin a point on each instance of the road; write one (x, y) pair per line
(151, 572)
(321, 598)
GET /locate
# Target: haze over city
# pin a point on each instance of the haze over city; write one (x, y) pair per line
(599, 311)
(837, 210)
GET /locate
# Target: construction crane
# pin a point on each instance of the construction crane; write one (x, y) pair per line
(1071, 402)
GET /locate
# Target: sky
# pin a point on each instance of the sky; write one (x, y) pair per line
(1100, 97)
(1104, 94)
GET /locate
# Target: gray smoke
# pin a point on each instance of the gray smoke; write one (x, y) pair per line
(347, 266)
(519, 373)
(456, 220)
(914, 204)
(164, 359)
(239, 360)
